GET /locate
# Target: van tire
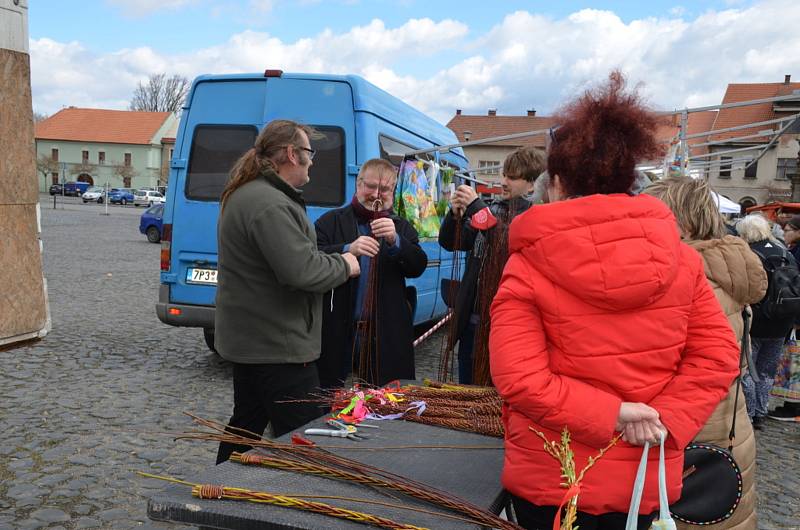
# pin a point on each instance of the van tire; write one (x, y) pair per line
(152, 234)
(208, 335)
(100, 200)
(123, 202)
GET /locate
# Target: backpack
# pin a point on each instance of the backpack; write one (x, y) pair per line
(783, 292)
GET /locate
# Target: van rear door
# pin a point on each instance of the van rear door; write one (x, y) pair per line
(222, 123)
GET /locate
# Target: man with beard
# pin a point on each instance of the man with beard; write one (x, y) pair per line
(367, 323)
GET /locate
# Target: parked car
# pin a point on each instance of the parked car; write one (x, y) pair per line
(147, 198)
(94, 194)
(56, 189)
(76, 189)
(120, 196)
(150, 223)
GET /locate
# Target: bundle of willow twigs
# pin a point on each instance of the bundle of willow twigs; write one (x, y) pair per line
(316, 461)
(213, 491)
(460, 407)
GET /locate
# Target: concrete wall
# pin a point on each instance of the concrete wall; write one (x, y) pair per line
(737, 187)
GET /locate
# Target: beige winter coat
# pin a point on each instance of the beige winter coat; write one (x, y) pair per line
(738, 279)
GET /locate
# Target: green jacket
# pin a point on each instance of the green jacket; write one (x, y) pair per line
(271, 276)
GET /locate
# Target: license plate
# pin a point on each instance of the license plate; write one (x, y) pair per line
(207, 276)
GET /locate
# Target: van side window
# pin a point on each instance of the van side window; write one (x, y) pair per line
(327, 174)
(215, 149)
(392, 150)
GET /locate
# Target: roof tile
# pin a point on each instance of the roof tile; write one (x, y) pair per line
(101, 126)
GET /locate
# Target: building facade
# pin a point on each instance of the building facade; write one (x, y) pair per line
(118, 148)
(477, 127)
(737, 174)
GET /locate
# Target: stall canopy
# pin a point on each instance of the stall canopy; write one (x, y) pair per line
(724, 204)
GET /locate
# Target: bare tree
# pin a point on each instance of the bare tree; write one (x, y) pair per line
(46, 165)
(160, 94)
(39, 116)
(126, 173)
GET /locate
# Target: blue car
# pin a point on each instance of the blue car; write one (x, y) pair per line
(120, 196)
(150, 223)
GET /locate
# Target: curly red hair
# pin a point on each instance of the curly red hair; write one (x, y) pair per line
(603, 134)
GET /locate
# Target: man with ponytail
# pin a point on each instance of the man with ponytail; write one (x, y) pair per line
(368, 322)
(271, 279)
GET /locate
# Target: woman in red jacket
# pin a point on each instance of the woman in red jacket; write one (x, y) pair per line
(604, 322)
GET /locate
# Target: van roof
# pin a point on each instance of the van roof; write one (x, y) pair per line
(368, 98)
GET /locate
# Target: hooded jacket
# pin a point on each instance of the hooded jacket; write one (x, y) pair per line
(738, 279)
(600, 303)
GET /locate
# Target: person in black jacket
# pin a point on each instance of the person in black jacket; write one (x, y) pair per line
(361, 317)
(767, 334)
(480, 224)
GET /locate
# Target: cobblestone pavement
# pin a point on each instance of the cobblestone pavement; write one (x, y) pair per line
(82, 410)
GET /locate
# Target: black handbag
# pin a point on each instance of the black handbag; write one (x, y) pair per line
(712, 480)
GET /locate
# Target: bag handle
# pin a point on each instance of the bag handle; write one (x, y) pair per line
(665, 520)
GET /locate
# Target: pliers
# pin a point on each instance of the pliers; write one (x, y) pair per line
(340, 430)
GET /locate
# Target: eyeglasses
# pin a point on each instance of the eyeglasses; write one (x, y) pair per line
(373, 187)
(311, 152)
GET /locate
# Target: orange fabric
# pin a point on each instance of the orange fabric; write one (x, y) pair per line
(601, 303)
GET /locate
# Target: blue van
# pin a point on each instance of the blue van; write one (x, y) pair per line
(75, 189)
(221, 118)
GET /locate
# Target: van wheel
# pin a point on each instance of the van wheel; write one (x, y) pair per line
(123, 202)
(208, 335)
(152, 235)
(100, 200)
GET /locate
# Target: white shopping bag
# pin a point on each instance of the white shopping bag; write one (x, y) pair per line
(665, 520)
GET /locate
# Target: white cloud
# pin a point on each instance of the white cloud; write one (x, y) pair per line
(526, 61)
(140, 8)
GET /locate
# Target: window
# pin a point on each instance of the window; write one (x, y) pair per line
(101, 157)
(54, 154)
(85, 157)
(126, 181)
(786, 168)
(171, 153)
(725, 167)
(127, 159)
(327, 175)
(215, 149)
(54, 176)
(489, 163)
(392, 150)
(751, 172)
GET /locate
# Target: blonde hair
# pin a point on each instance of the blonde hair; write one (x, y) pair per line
(692, 204)
(383, 168)
(268, 153)
(754, 227)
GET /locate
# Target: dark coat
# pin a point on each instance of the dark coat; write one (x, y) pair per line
(395, 334)
(762, 326)
(473, 245)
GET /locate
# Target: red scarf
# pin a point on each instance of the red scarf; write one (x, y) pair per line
(365, 215)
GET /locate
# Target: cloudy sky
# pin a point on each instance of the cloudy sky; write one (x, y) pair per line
(437, 55)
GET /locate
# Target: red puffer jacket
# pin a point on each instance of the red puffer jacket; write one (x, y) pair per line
(601, 303)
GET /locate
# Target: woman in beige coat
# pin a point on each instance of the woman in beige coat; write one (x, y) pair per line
(738, 279)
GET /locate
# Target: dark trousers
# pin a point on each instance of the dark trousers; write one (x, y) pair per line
(533, 517)
(257, 388)
(466, 345)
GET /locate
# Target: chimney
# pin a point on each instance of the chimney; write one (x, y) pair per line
(458, 112)
(492, 112)
(787, 79)
(531, 112)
